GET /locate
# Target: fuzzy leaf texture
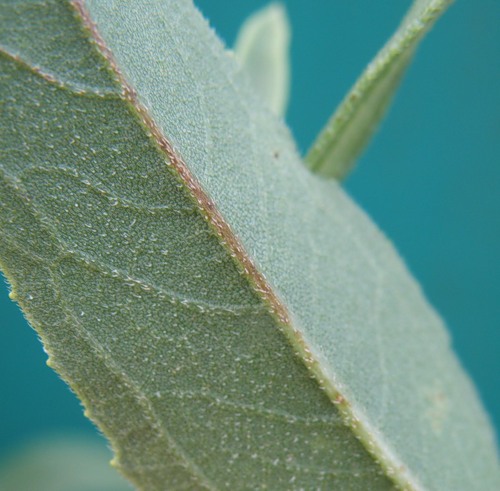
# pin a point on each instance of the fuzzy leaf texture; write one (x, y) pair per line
(352, 125)
(229, 320)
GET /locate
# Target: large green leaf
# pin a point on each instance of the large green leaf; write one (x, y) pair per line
(352, 125)
(229, 320)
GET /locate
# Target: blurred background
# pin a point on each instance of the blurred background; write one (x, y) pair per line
(430, 179)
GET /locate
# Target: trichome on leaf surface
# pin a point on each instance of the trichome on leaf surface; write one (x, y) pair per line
(228, 317)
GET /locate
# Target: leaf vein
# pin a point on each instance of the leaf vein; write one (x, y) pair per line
(261, 411)
(75, 89)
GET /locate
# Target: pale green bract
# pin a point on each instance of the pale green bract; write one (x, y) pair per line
(229, 320)
(263, 49)
(351, 127)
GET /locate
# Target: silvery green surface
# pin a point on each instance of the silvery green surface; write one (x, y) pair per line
(352, 125)
(140, 307)
(61, 464)
(147, 316)
(263, 49)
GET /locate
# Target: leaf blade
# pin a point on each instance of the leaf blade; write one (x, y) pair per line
(262, 47)
(353, 123)
(58, 249)
(140, 342)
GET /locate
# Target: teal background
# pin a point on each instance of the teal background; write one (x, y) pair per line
(431, 180)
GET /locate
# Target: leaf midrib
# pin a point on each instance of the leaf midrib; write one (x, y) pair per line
(209, 210)
(140, 396)
(113, 271)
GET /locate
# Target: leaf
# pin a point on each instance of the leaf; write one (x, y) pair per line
(229, 320)
(352, 125)
(61, 464)
(263, 49)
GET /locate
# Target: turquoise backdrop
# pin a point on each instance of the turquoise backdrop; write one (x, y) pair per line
(431, 180)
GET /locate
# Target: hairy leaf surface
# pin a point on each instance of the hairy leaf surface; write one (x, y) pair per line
(229, 320)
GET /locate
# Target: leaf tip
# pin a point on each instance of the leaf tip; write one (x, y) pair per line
(263, 49)
(355, 121)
